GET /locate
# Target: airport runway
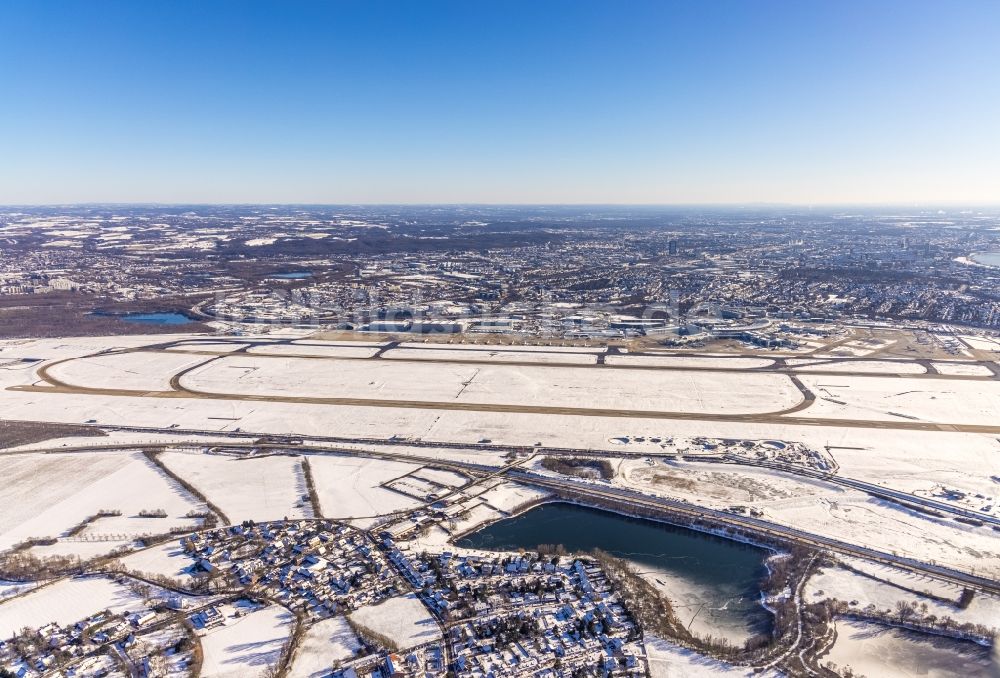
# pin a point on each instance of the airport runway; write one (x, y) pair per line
(54, 385)
(778, 365)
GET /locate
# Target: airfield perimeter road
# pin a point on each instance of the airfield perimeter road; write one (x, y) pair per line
(54, 385)
(670, 510)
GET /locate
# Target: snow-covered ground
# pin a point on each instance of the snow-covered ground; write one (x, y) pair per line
(902, 399)
(248, 645)
(865, 366)
(687, 361)
(9, 589)
(325, 642)
(47, 494)
(909, 460)
(135, 371)
(167, 560)
(875, 650)
(655, 390)
(319, 351)
(402, 618)
(991, 343)
(65, 602)
(442, 477)
(963, 369)
(509, 497)
(345, 344)
(350, 487)
(667, 660)
(513, 348)
(818, 507)
(491, 356)
(59, 348)
(860, 591)
(212, 346)
(265, 488)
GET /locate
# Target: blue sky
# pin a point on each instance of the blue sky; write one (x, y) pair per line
(504, 101)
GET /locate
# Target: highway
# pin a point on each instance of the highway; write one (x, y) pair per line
(670, 510)
(869, 488)
(248, 439)
(747, 524)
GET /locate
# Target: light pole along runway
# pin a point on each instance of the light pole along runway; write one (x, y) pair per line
(55, 385)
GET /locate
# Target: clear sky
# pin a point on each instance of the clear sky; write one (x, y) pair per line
(537, 101)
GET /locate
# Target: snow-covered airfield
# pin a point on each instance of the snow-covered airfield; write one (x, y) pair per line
(888, 423)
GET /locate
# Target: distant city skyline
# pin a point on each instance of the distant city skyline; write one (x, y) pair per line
(660, 103)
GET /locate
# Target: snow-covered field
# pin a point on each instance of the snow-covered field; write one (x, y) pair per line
(902, 399)
(265, 488)
(65, 602)
(514, 348)
(491, 356)
(247, 646)
(963, 462)
(44, 495)
(441, 477)
(349, 487)
(875, 650)
(859, 591)
(551, 386)
(860, 347)
(687, 361)
(167, 559)
(212, 346)
(59, 348)
(403, 618)
(324, 643)
(509, 497)
(865, 366)
(909, 460)
(963, 369)
(720, 484)
(319, 351)
(667, 660)
(135, 371)
(9, 589)
(982, 343)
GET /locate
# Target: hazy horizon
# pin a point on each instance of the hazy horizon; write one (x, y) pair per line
(657, 103)
(678, 205)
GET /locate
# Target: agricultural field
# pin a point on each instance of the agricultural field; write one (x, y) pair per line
(246, 645)
(50, 495)
(403, 619)
(325, 643)
(876, 650)
(351, 487)
(265, 488)
(65, 602)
